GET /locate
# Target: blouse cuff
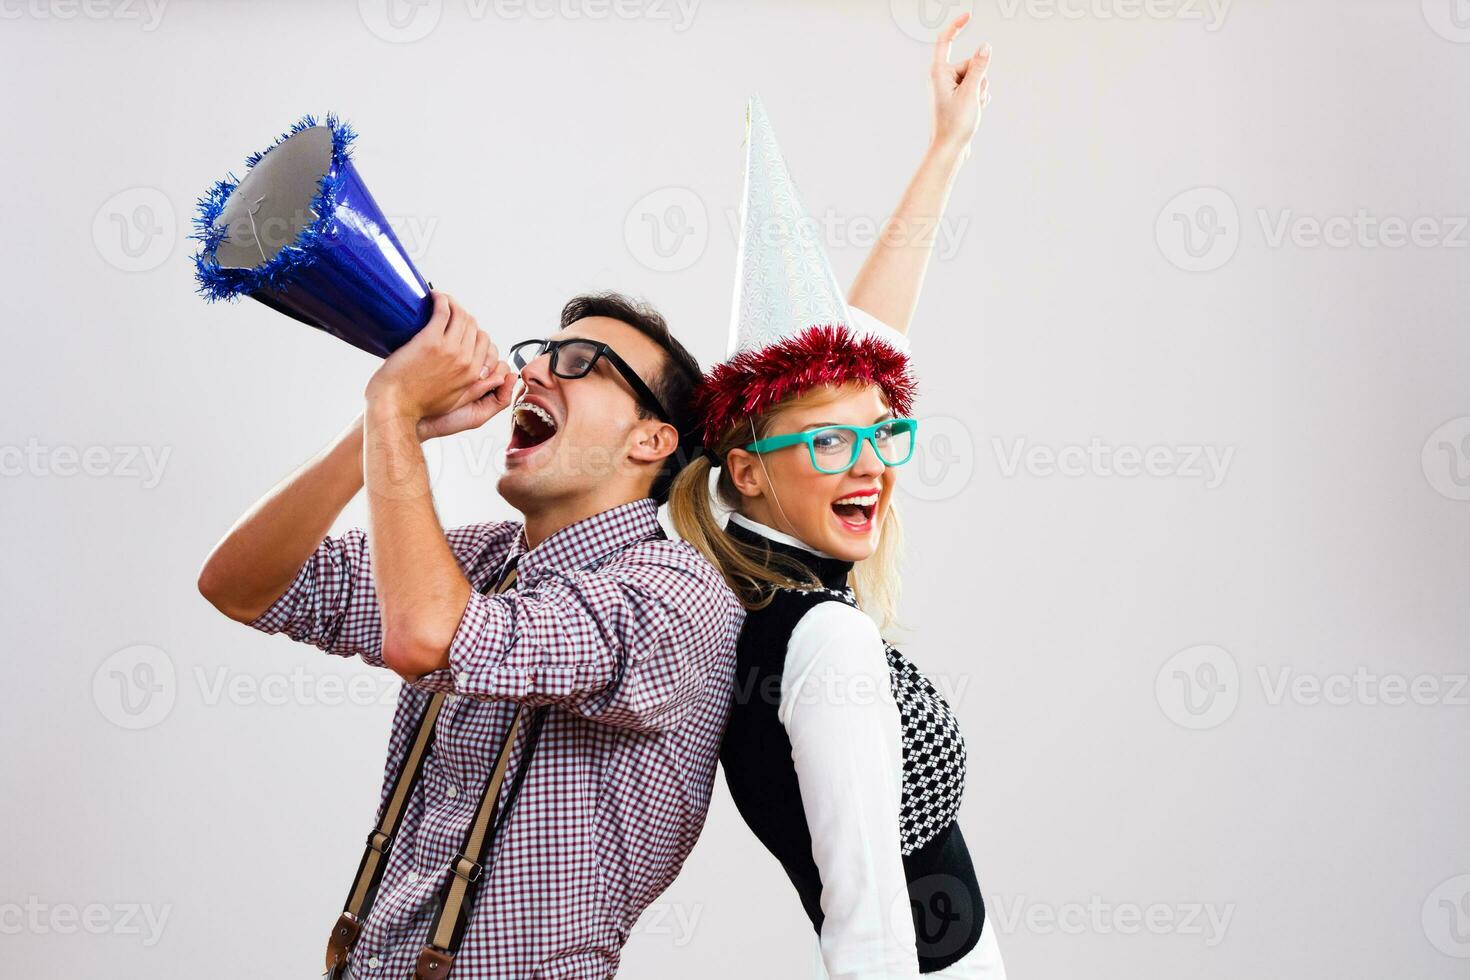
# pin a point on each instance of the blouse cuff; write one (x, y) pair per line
(864, 323)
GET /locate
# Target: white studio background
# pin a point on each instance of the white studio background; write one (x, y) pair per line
(1216, 709)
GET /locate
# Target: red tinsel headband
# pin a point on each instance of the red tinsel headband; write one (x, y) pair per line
(753, 381)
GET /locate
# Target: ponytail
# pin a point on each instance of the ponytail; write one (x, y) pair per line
(754, 576)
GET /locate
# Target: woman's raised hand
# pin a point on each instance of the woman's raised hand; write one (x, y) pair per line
(958, 91)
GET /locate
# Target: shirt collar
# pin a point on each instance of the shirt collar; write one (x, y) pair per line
(587, 542)
(766, 531)
(830, 570)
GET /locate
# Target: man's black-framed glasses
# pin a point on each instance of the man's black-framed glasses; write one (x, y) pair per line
(573, 359)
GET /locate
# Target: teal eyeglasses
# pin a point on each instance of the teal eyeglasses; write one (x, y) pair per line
(834, 448)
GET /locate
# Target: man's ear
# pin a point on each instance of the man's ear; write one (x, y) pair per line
(745, 473)
(653, 440)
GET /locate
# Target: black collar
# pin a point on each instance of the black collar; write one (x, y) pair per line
(832, 572)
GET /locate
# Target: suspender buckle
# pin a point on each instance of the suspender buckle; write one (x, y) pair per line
(379, 841)
(467, 869)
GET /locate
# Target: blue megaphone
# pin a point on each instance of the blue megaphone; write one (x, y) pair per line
(301, 234)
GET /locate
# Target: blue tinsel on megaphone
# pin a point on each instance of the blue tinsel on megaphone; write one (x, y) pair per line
(301, 234)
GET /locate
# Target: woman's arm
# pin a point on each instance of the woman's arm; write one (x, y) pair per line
(847, 748)
(888, 284)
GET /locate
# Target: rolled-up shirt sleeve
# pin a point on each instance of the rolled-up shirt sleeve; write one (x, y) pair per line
(632, 644)
(332, 603)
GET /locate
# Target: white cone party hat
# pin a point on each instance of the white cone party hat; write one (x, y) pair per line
(783, 281)
(790, 329)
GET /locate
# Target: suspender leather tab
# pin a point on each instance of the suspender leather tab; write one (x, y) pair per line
(344, 934)
(433, 964)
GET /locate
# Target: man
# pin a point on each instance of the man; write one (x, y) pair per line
(621, 640)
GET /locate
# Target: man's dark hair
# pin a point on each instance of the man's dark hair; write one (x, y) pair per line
(674, 386)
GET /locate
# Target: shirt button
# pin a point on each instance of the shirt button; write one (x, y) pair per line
(374, 962)
(452, 793)
(413, 876)
(462, 679)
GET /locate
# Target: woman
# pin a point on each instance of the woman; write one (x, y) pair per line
(843, 759)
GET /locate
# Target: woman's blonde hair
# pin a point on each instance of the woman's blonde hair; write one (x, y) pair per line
(754, 574)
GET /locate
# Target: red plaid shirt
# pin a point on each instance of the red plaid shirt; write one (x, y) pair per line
(630, 638)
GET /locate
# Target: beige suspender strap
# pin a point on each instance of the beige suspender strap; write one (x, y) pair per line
(458, 893)
(375, 857)
(466, 867)
(380, 841)
(382, 838)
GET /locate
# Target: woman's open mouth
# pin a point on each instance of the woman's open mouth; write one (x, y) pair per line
(532, 426)
(855, 511)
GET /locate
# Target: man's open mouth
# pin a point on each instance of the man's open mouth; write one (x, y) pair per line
(531, 425)
(856, 510)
